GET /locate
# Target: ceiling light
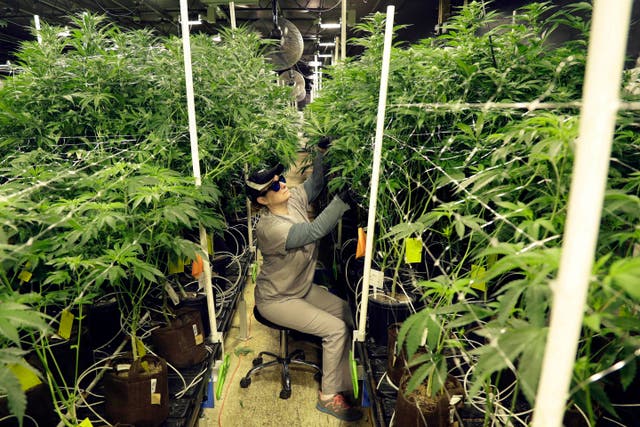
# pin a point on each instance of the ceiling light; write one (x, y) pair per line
(325, 55)
(330, 25)
(327, 44)
(196, 22)
(314, 63)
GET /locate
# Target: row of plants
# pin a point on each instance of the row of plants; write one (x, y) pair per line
(97, 194)
(484, 191)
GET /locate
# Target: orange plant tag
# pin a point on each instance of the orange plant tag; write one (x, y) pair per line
(197, 267)
(362, 243)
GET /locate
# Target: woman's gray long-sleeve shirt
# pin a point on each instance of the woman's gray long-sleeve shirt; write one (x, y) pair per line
(288, 243)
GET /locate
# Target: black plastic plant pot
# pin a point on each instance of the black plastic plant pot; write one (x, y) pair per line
(396, 358)
(39, 411)
(384, 311)
(104, 323)
(198, 301)
(62, 354)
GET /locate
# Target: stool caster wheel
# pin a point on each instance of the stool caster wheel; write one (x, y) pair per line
(244, 382)
(285, 394)
(317, 376)
(257, 361)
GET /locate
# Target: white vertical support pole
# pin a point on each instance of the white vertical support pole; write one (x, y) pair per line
(343, 31)
(232, 14)
(316, 80)
(375, 172)
(242, 304)
(336, 51)
(195, 161)
(249, 224)
(600, 101)
(36, 22)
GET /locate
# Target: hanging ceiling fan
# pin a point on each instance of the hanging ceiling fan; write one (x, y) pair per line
(290, 48)
(296, 81)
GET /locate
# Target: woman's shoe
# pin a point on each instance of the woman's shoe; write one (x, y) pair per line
(339, 408)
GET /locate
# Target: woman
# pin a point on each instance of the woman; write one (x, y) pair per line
(285, 293)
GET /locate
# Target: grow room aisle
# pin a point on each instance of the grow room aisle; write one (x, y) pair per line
(259, 404)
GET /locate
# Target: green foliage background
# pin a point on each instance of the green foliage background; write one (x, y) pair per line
(487, 187)
(97, 186)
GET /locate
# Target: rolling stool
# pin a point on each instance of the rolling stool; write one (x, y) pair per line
(285, 359)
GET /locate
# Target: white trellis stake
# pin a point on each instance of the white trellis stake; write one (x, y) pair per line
(195, 161)
(605, 59)
(359, 335)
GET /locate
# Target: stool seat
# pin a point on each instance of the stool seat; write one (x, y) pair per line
(266, 322)
(284, 359)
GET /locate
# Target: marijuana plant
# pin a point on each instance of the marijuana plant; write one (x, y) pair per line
(484, 189)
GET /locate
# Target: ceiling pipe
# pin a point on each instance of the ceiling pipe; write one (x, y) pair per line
(53, 6)
(158, 11)
(117, 3)
(123, 6)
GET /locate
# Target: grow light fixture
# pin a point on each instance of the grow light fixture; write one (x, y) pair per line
(237, 3)
(314, 63)
(196, 22)
(326, 44)
(330, 25)
(6, 68)
(325, 55)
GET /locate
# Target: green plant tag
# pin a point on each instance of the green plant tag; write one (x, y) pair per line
(413, 250)
(209, 244)
(176, 267)
(28, 379)
(140, 348)
(25, 275)
(85, 423)
(66, 323)
(354, 375)
(222, 374)
(477, 278)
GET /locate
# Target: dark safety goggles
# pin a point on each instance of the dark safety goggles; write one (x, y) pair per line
(275, 185)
